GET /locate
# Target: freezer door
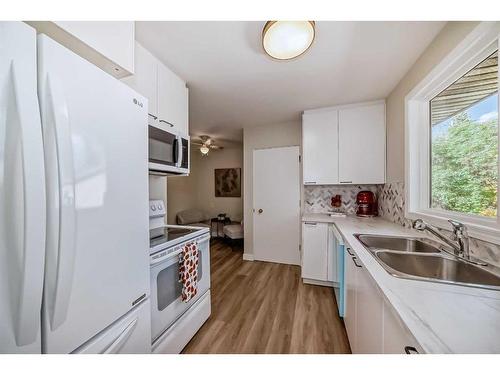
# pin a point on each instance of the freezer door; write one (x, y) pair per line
(22, 194)
(95, 145)
(131, 334)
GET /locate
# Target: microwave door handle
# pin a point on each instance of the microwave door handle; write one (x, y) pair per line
(179, 151)
(176, 152)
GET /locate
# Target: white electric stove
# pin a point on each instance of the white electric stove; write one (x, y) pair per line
(173, 321)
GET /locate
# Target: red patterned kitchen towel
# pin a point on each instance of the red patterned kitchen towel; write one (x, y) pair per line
(188, 271)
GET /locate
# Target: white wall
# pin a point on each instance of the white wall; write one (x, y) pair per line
(158, 188)
(268, 136)
(452, 34)
(106, 44)
(198, 189)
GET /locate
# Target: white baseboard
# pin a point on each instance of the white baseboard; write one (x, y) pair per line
(247, 256)
(320, 282)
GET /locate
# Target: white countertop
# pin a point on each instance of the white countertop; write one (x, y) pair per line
(443, 318)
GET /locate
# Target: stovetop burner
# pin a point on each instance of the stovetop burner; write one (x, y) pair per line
(161, 235)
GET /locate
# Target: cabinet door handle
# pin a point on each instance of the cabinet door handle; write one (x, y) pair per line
(346, 182)
(356, 264)
(351, 254)
(153, 116)
(168, 123)
(310, 182)
(309, 223)
(411, 350)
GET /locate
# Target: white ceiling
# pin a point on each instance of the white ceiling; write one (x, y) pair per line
(233, 84)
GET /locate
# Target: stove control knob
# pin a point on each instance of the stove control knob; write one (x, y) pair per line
(153, 208)
(159, 207)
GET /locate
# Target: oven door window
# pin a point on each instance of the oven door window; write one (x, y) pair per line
(168, 287)
(162, 147)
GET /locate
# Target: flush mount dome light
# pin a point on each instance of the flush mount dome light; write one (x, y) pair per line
(284, 40)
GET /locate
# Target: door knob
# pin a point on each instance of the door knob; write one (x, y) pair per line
(260, 210)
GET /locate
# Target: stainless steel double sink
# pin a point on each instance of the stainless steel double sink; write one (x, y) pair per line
(423, 259)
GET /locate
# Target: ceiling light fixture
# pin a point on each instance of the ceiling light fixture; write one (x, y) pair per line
(204, 149)
(285, 40)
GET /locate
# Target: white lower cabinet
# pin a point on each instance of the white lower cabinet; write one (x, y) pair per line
(363, 307)
(371, 323)
(331, 257)
(350, 280)
(369, 312)
(397, 338)
(314, 251)
(319, 253)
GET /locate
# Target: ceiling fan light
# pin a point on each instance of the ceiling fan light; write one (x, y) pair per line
(204, 150)
(284, 40)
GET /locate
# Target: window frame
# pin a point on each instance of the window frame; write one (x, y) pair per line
(478, 45)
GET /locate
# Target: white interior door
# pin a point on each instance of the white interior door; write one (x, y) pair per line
(276, 199)
(22, 193)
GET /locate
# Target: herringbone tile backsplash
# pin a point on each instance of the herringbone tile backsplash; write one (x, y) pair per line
(391, 206)
(317, 198)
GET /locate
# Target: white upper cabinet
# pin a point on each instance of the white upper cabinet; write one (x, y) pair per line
(320, 148)
(344, 145)
(145, 79)
(106, 44)
(362, 144)
(167, 94)
(314, 251)
(172, 100)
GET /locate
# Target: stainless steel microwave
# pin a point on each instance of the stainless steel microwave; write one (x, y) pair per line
(168, 152)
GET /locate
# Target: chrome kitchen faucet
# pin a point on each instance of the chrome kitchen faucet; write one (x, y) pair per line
(459, 241)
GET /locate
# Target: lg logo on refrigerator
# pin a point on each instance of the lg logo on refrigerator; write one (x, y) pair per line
(136, 102)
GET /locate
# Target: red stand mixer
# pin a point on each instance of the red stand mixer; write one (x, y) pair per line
(367, 204)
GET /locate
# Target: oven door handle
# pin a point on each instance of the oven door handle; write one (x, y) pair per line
(164, 257)
(156, 258)
(203, 239)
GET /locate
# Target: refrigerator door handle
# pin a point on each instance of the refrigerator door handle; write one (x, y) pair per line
(117, 344)
(29, 244)
(61, 218)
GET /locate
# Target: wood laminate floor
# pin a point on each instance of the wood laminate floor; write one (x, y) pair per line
(260, 307)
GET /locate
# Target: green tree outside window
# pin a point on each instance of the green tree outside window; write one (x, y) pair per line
(465, 167)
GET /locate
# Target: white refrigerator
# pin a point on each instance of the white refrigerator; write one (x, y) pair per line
(74, 237)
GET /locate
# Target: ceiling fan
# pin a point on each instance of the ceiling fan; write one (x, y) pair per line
(206, 144)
